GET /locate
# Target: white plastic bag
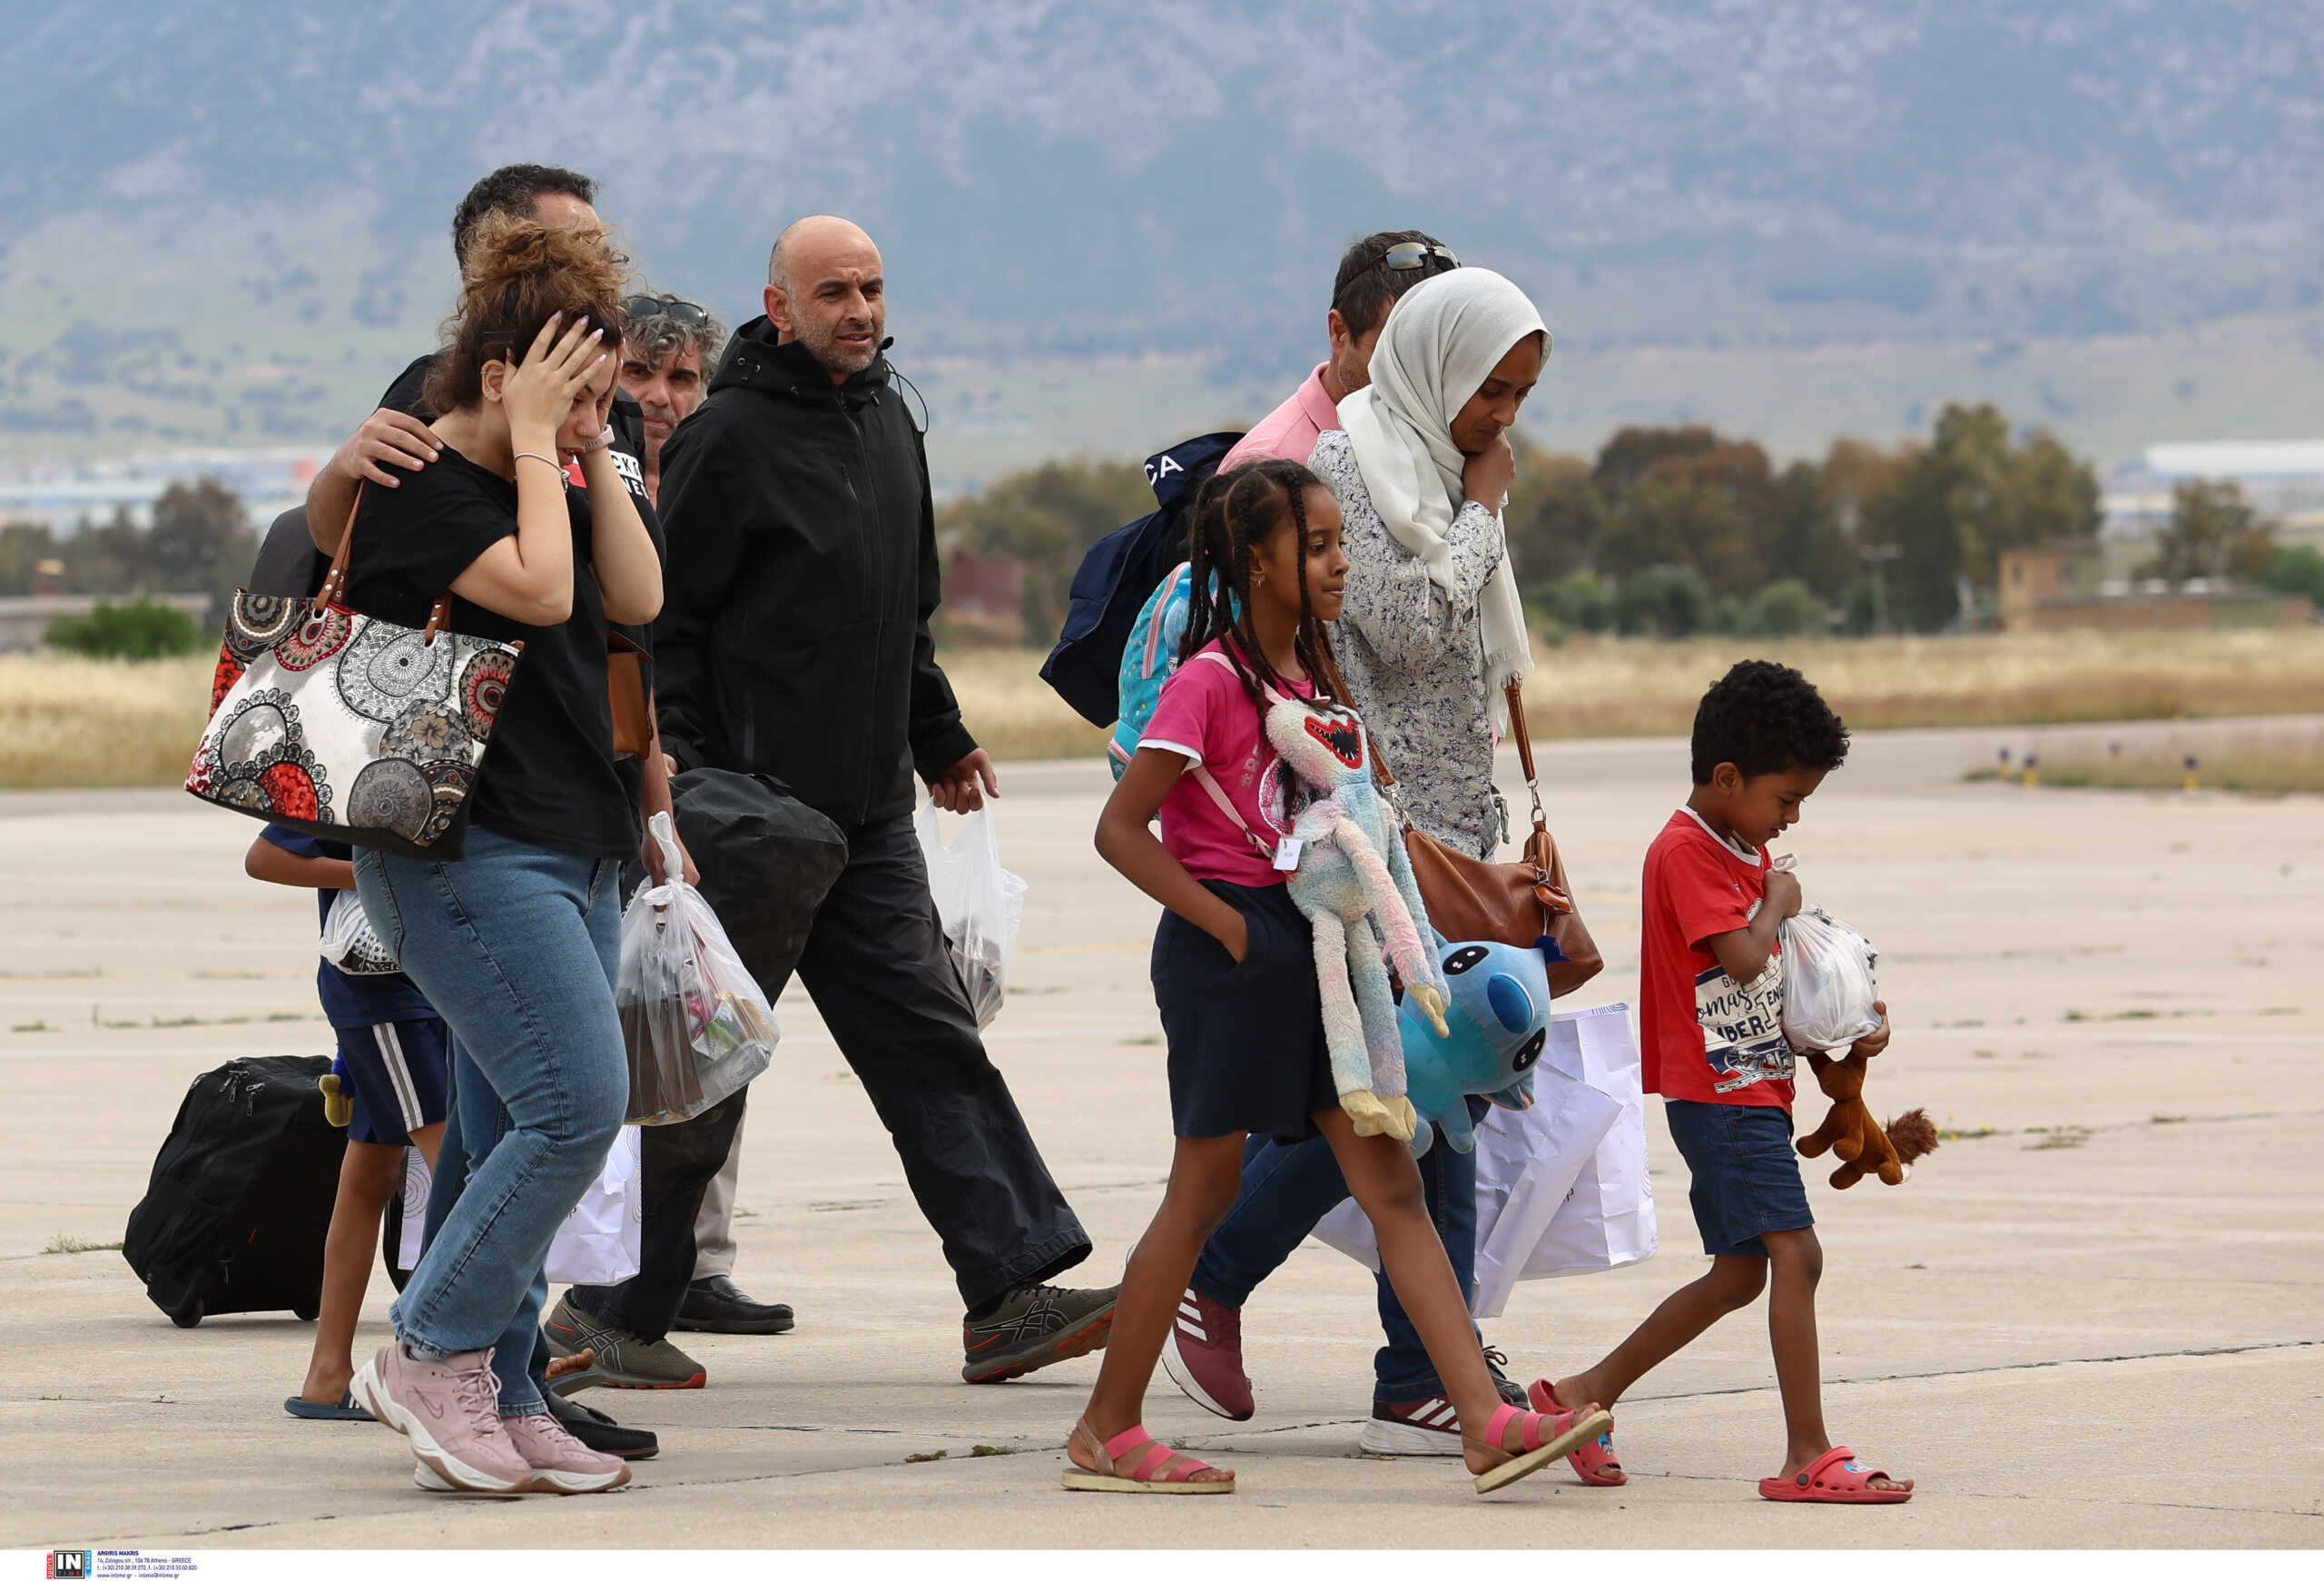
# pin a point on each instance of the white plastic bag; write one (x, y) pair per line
(980, 904)
(1562, 1187)
(600, 1239)
(1827, 982)
(349, 943)
(697, 1025)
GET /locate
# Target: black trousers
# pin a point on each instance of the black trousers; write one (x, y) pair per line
(676, 1164)
(885, 985)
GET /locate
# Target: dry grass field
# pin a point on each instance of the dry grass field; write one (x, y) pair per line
(66, 722)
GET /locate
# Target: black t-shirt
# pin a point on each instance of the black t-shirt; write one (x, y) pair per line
(548, 777)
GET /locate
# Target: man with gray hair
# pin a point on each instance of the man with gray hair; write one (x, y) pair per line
(669, 346)
(794, 644)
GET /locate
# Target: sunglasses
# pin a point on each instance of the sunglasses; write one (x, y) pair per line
(1416, 254)
(679, 311)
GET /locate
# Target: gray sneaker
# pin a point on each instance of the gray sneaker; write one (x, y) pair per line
(1034, 1326)
(624, 1360)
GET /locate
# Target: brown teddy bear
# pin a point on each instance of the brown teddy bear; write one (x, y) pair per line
(1851, 1135)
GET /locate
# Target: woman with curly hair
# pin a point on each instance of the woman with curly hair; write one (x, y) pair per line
(516, 943)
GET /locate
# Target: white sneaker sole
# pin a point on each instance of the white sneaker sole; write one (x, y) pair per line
(425, 1476)
(1183, 1376)
(1379, 1438)
(456, 1474)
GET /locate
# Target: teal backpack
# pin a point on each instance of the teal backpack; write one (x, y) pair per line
(1150, 658)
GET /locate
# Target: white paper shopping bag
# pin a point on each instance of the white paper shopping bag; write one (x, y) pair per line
(599, 1242)
(1607, 1219)
(1560, 1187)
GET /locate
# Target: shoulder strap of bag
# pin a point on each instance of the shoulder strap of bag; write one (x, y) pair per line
(334, 587)
(1209, 783)
(1518, 733)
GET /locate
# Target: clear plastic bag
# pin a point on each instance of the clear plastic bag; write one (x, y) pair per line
(696, 1024)
(1828, 983)
(349, 943)
(980, 904)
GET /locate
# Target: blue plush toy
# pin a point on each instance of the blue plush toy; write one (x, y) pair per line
(1499, 1016)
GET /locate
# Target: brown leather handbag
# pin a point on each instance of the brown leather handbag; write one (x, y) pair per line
(1510, 902)
(626, 697)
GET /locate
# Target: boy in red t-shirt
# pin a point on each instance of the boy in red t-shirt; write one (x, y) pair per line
(1710, 1017)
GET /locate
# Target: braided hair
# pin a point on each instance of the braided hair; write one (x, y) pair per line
(1234, 513)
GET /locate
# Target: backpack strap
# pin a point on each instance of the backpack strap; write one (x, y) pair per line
(1209, 783)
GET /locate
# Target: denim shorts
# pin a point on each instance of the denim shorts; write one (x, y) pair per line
(1745, 1175)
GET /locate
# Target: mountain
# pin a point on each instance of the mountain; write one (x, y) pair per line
(228, 222)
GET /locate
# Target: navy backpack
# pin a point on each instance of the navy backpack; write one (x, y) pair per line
(1120, 574)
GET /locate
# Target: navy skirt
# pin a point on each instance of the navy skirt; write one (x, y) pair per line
(1247, 1039)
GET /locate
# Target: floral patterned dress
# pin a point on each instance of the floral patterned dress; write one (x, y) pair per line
(1414, 660)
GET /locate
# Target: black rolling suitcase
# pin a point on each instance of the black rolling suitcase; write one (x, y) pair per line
(240, 1201)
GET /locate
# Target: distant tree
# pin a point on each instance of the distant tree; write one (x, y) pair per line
(2213, 532)
(200, 541)
(1579, 601)
(1047, 518)
(2296, 568)
(1972, 493)
(1663, 601)
(1623, 459)
(1789, 607)
(22, 547)
(140, 629)
(1554, 515)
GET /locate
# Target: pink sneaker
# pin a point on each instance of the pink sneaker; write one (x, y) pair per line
(450, 1410)
(1203, 1355)
(561, 1463)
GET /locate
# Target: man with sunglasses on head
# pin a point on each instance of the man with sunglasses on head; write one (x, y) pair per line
(1287, 1188)
(667, 350)
(1374, 273)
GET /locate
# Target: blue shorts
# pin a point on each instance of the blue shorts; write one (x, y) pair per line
(397, 1073)
(1745, 1175)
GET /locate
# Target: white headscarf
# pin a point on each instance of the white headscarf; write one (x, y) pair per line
(1444, 338)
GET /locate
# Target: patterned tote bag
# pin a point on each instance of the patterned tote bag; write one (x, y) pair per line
(353, 728)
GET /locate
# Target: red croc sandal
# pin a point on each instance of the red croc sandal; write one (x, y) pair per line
(1594, 1462)
(1832, 1477)
(1161, 1469)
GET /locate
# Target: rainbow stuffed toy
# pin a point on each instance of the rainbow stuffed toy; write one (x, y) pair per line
(1353, 877)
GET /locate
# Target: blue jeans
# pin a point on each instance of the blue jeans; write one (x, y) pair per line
(517, 947)
(451, 1178)
(1285, 1189)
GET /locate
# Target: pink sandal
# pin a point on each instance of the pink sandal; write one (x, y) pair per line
(1161, 1469)
(1567, 1428)
(1832, 1477)
(1594, 1462)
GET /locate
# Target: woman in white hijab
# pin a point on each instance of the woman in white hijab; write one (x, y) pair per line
(1432, 630)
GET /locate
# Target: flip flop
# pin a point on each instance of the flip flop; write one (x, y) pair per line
(1832, 1477)
(1594, 1462)
(346, 1410)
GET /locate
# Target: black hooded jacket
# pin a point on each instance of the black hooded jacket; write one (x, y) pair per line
(793, 638)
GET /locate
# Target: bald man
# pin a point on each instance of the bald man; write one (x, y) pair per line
(793, 643)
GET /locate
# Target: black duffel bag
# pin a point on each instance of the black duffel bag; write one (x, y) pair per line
(766, 860)
(235, 1214)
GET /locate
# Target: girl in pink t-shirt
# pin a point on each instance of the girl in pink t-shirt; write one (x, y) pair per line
(1234, 972)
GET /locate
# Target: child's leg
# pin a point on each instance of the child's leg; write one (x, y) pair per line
(1385, 1182)
(1795, 1259)
(1205, 1175)
(369, 1175)
(1733, 1283)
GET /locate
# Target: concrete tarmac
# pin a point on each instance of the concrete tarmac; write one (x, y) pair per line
(2099, 1324)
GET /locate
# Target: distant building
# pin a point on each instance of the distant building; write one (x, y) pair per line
(2069, 590)
(60, 495)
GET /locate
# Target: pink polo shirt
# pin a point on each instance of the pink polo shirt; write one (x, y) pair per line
(1289, 432)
